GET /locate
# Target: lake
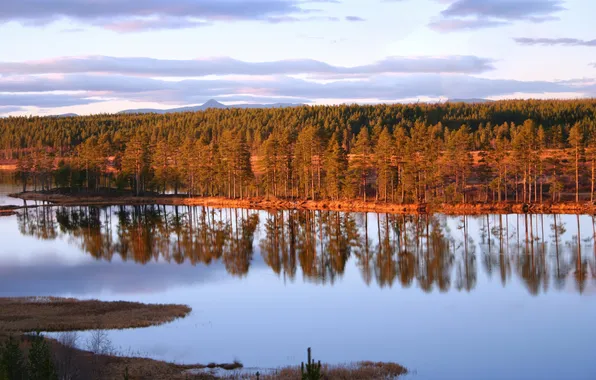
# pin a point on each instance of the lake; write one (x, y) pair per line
(482, 297)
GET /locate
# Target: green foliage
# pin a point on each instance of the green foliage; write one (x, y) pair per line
(311, 370)
(12, 362)
(41, 366)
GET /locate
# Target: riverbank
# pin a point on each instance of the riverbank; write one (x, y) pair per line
(59, 197)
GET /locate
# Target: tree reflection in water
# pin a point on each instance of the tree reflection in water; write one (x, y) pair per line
(435, 252)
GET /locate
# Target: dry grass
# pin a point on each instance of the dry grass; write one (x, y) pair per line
(8, 210)
(141, 369)
(87, 365)
(259, 203)
(346, 206)
(18, 315)
(9, 167)
(60, 314)
(357, 371)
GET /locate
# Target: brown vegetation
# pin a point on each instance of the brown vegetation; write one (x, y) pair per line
(358, 371)
(263, 203)
(522, 151)
(7, 210)
(114, 367)
(21, 315)
(60, 314)
(75, 363)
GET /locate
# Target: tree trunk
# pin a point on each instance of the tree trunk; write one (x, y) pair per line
(592, 190)
(576, 175)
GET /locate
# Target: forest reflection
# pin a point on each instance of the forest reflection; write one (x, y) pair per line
(432, 252)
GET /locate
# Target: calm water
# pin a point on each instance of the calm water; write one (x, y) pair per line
(488, 297)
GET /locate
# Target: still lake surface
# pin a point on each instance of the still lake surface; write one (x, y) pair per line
(483, 297)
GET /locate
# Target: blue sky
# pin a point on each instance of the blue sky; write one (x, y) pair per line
(91, 56)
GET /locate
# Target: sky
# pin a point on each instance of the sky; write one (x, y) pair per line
(103, 56)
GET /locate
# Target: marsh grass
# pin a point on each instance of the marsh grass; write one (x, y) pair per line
(358, 371)
(61, 314)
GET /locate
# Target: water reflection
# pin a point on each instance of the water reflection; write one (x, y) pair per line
(437, 252)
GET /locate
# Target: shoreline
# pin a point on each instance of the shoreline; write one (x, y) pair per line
(55, 314)
(22, 315)
(8, 210)
(262, 203)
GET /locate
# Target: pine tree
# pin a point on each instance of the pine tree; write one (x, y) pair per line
(591, 145)
(41, 366)
(12, 362)
(458, 160)
(24, 169)
(523, 144)
(272, 162)
(384, 164)
(307, 150)
(161, 161)
(401, 142)
(576, 140)
(360, 162)
(242, 164)
(336, 163)
(136, 162)
(89, 160)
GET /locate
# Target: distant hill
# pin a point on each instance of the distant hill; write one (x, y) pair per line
(473, 100)
(209, 105)
(65, 115)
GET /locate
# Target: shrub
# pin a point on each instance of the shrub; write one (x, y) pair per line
(12, 362)
(41, 366)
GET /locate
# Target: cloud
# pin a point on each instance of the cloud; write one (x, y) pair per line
(136, 25)
(229, 66)
(555, 42)
(354, 19)
(42, 100)
(99, 276)
(135, 15)
(478, 14)
(504, 9)
(9, 109)
(450, 25)
(34, 91)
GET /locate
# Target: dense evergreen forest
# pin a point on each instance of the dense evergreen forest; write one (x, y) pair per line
(525, 151)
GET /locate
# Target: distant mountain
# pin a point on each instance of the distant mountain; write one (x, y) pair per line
(472, 100)
(65, 115)
(209, 105)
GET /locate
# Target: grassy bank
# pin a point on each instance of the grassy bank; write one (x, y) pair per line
(61, 197)
(20, 316)
(96, 359)
(8, 210)
(60, 314)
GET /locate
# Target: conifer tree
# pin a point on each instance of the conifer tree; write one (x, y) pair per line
(384, 164)
(135, 162)
(336, 164)
(360, 162)
(12, 362)
(41, 366)
(576, 140)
